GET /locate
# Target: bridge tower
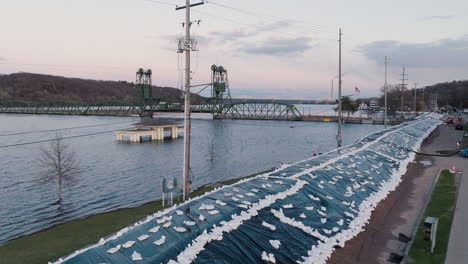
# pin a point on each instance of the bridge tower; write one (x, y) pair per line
(144, 87)
(220, 93)
(143, 83)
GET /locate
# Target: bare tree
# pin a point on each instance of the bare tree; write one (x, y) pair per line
(393, 98)
(60, 163)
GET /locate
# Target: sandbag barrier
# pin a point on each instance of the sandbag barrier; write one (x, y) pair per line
(298, 213)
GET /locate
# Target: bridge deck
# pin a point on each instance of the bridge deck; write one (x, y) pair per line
(242, 110)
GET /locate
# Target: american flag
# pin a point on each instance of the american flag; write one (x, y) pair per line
(356, 90)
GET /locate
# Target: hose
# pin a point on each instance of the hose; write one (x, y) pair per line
(435, 154)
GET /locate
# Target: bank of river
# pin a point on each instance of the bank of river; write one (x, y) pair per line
(51, 244)
(129, 175)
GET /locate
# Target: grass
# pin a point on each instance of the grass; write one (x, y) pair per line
(465, 139)
(442, 206)
(61, 240)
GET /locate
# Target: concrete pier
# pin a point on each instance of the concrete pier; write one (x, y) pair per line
(153, 128)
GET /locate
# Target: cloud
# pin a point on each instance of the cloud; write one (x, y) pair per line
(273, 26)
(280, 47)
(446, 17)
(239, 34)
(445, 53)
(233, 35)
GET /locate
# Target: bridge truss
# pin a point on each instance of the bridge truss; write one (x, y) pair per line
(260, 111)
(218, 103)
(243, 110)
(105, 108)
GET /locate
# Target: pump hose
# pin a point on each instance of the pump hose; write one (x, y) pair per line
(435, 154)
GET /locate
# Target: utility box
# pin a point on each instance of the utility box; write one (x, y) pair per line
(430, 230)
(428, 227)
(464, 153)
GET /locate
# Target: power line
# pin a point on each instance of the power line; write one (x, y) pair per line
(260, 15)
(60, 129)
(243, 24)
(234, 21)
(225, 19)
(109, 131)
(161, 2)
(49, 140)
(242, 10)
(267, 125)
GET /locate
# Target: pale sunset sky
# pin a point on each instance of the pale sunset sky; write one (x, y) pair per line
(283, 49)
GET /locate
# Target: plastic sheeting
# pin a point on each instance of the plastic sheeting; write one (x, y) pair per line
(296, 214)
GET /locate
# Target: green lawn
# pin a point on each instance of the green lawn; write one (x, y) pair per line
(61, 240)
(465, 139)
(442, 206)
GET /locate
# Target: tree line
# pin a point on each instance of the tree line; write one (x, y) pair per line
(452, 94)
(41, 88)
(449, 94)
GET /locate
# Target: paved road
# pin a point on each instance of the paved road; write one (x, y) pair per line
(401, 210)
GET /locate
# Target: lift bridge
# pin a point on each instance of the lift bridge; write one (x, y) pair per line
(218, 103)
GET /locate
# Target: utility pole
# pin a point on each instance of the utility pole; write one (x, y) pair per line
(187, 125)
(424, 100)
(402, 89)
(385, 92)
(331, 94)
(415, 85)
(339, 137)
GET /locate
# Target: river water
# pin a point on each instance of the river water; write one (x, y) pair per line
(118, 175)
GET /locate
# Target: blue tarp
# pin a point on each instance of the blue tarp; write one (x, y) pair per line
(297, 213)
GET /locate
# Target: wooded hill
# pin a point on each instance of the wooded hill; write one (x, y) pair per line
(450, 93)
(40, 88)
(453, 94)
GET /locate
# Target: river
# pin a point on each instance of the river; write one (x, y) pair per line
(119, 175)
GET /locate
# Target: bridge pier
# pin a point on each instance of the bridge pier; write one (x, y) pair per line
(175, 132)
(145, 129)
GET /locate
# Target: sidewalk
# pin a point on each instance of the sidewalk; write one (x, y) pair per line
(457, 248)
(400, 212)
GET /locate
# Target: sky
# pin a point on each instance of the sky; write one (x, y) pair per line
(271, 48)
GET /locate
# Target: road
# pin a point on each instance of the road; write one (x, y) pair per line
(401, 210)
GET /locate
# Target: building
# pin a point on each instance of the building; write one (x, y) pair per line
(362, 107)
(374, 105)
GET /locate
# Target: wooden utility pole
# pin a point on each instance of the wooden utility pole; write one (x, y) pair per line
(385, 92)
(339, 137)
(187, 124)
